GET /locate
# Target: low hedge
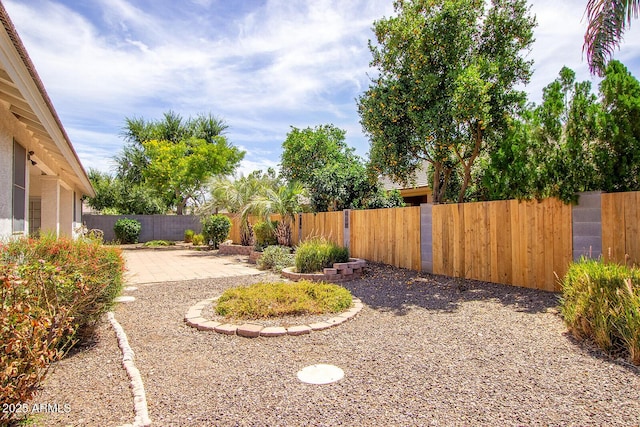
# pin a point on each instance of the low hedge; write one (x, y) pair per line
(53, 293)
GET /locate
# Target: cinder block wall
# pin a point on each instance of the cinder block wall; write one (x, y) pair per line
(587, 226)
(153, 227)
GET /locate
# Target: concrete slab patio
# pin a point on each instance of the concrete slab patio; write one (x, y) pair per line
(173, 265)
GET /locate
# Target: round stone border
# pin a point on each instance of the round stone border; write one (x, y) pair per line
(194, 319)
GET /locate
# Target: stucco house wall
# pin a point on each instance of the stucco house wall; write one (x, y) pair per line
(54, 179)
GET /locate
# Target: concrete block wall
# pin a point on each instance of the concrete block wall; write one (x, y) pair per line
(587, 226)
(153, 227)
(426, 237)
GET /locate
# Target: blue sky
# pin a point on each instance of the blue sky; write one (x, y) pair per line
(261, 65)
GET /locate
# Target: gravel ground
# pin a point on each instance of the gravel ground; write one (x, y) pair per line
(425, 351)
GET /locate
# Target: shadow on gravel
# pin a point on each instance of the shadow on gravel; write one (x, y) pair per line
(387, 288)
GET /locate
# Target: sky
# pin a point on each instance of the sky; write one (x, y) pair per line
(261, 65)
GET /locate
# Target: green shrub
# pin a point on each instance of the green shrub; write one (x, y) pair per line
(215, 229)
(265, 234)
(188, 236)
(53, 292)
(127, 230)
(276, 258)
(198, 240)
(601, 302)
(315, 254)
(281, 299)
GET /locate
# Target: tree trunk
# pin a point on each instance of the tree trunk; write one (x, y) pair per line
(246, 234)
(283, 233)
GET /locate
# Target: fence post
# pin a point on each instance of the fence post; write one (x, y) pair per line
(299, 228)
(586, 224)
(347, 226)
(426, 237)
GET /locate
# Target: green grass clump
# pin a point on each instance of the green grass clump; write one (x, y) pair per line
(601, 302)
(197, 240)
(155, 243)
(315, 254)
(263, 300)
(276, 258)
(188, 235)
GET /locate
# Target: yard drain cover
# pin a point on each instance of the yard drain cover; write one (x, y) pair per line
(125, 299)
(320, 374)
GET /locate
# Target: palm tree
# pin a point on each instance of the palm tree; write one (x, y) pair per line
(607, 21)
(285, 201)
(234, 196)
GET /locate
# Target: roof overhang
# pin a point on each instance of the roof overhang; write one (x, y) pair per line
(24, 95)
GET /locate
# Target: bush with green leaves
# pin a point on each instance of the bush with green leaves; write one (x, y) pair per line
(276, 258)
(127, 230)
(315, 254)
(601, 302)
(53, 291)
(265, 234)
(215, 229)
(188, 235)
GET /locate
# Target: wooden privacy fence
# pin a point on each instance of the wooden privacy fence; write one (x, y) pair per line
(620, 230)
(510, 242)
(389, 236)
(527, 244)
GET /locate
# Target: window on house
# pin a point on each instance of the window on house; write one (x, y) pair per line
(19, 186)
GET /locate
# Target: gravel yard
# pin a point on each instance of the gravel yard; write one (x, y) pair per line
(425, 351)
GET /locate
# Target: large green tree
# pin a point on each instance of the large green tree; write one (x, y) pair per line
(173, 157)
(618, 154)
(181, 169)
(307, 150)
(115, 196)
(445, 89)
(607, 22)
(327, 167)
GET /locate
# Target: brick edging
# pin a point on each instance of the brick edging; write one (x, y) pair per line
(194, 319)
(341, 272)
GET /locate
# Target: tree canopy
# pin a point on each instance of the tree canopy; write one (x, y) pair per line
(335, 178)
(172, 158)
(445, 90)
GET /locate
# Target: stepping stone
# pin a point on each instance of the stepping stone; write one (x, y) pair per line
(320, 374)
(130, 289)
(124, 298)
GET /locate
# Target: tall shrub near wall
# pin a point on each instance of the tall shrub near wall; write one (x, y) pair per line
(601, 302)
(53, 292)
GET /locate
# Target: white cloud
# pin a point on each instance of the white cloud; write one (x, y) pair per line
(262, 66)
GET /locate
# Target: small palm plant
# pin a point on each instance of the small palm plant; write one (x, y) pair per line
(285, 200)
